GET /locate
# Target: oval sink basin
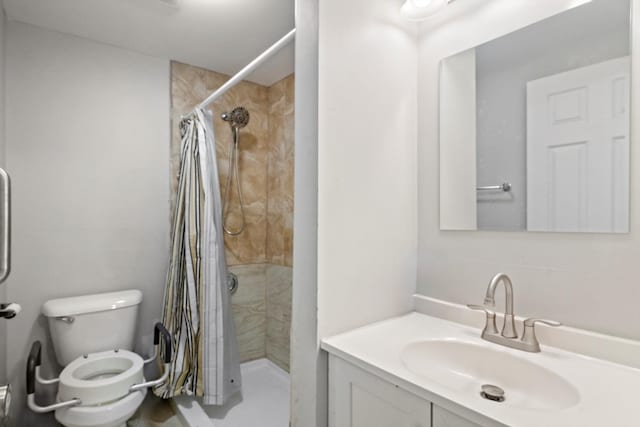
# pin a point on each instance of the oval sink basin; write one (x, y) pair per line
(465, 367)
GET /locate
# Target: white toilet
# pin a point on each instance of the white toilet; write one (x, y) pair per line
(102, 384)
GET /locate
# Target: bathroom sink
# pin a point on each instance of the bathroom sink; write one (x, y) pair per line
(464, 366)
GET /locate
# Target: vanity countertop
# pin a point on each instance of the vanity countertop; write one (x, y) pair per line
(609, 393)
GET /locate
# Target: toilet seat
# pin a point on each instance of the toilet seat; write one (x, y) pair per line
(101, 377)
(109, 414)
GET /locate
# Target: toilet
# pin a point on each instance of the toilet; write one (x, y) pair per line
(102, 383)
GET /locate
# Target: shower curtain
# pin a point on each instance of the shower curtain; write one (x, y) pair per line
(197, 310)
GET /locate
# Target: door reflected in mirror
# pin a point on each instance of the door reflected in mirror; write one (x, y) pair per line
(535, 126)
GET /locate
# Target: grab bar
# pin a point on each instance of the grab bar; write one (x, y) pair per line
(5, 225)
(505, 186)
(33, 365)
(159, 331)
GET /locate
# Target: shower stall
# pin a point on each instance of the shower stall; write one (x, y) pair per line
(253, 127)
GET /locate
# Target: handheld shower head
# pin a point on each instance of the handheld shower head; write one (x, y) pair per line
(237, 118)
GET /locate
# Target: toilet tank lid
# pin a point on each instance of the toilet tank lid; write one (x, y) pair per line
(91, 303)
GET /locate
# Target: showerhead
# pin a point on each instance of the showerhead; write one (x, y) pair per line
(237, 118)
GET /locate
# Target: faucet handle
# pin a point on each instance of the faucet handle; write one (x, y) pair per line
(480, 308)
(490, 322)
(532, 321)
(529, 333)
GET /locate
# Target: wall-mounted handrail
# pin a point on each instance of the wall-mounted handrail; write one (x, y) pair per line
(505, 186)
(5, 225)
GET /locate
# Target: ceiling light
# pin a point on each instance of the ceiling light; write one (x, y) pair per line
(417, 10)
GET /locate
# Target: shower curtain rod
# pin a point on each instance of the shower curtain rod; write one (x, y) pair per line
(248, 69)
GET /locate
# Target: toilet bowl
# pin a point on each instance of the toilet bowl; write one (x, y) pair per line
(102, 383)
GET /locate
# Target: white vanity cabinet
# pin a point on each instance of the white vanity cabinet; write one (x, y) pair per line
(360, 399)
(387, 375)
(440, 417)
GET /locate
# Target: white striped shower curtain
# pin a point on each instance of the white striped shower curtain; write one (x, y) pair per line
(197, 311)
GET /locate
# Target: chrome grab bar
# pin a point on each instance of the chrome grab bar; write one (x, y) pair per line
(5, 225)
(505, 186)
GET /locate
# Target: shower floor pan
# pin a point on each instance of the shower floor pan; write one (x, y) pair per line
(264, 401)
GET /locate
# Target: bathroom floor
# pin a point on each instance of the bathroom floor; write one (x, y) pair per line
(155, 412)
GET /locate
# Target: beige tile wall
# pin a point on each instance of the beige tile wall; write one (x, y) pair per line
(190, 85)
(280, 168)
(278, 302)
(261, 255)
(250, 310)
(279, 248)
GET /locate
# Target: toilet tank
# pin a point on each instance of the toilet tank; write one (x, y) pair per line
(92, 323)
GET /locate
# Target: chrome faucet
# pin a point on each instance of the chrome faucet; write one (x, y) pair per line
(509, 326)
(509, 336)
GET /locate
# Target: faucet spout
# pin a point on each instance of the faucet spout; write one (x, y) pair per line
(509, 327)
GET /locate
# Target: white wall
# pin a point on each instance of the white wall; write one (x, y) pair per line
(366, 178)
(88, 150)
(308, 374)
(584, 280)
(367, 163)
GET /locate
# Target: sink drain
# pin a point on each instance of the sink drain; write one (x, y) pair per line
(492, 392)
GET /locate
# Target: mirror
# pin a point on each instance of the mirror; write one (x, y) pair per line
(535, 126)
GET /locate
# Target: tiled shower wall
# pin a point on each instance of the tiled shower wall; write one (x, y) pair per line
(261, 255)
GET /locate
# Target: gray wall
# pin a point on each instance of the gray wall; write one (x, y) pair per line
(504, 66)
(88, 149)
(3, 287)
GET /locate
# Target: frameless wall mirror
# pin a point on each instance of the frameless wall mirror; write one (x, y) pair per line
(535, 126)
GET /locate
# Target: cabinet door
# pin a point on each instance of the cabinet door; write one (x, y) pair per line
(443, 418)
(359, 399)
